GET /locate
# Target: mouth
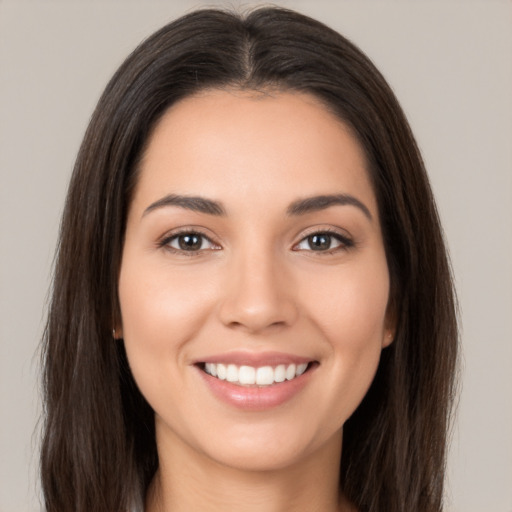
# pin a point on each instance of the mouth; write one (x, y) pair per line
(256, 376)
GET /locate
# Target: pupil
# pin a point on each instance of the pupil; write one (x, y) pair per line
(190, 242)
(319, 242)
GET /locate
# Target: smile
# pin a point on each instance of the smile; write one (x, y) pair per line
(253, 376)
(255, 381)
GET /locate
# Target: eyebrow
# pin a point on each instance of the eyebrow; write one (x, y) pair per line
(194, 203)
(298, 207)
(322, 202)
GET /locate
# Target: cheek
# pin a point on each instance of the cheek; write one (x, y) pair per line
(152, 298)
(349, 303)
(350, 312)
(160, 312)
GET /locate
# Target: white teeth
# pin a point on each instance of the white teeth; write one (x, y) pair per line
(301, 368)
(250, 376)
(221, 372)
(290, 372)
(211, 369)
(265, 376)
(232, 373)
(280, 373)
(247, 375)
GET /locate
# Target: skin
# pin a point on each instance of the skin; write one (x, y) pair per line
(254, 285)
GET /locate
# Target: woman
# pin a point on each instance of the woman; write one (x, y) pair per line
(252, 306)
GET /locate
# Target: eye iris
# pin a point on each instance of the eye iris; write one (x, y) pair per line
(190, 242)
(319, 242)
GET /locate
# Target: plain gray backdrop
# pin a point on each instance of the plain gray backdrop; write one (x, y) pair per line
(450, 64)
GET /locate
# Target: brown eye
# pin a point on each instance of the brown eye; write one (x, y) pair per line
(324, 242)
(189, 242)
(319, 242)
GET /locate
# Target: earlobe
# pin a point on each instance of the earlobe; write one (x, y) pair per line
(390, 323)
(117, 333)
(390, 329)
(389, 336)
(117, 324)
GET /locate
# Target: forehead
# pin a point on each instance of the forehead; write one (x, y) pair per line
(246, 147)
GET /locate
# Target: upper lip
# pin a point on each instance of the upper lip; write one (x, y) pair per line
(255, 359)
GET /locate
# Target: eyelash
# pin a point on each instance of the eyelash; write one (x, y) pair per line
(166, 241)
(345, 242)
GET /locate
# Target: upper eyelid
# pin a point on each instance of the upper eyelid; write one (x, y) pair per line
(186, 230)
(345, 241)
(317, 229)
(342, 233)
(166, 239)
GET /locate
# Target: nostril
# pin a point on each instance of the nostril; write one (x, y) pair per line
(253, 306)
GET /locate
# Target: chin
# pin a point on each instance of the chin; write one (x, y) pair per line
(257, 459)
(270, 451)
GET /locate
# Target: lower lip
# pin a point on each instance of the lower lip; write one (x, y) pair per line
(256, 398)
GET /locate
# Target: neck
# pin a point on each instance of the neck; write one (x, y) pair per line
(187, 480)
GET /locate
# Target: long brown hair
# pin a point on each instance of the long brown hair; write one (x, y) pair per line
(98, 451)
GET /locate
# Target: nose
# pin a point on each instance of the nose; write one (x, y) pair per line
(259, 294)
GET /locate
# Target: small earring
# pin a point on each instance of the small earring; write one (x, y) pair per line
(114, 333)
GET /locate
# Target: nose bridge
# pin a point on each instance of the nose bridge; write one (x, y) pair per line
(257, 295)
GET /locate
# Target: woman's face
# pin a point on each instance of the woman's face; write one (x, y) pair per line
(254, 283)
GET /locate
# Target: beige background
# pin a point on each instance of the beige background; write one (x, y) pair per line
(450, 64)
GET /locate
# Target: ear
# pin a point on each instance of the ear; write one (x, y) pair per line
(117, 330)
(390, 325)
(117, 324)
(117, 333)
(389, 336)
